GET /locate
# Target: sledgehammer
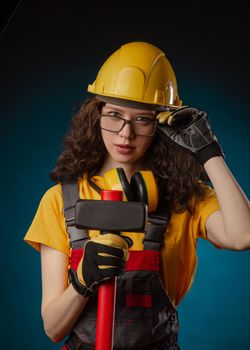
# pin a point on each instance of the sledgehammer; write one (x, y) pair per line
(109, 214)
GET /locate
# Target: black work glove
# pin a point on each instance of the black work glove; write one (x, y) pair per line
(104, 257)
(189, 128)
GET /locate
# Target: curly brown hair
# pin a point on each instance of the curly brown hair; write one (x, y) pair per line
(177, 172)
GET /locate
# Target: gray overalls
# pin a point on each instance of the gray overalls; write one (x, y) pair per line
(144, 315)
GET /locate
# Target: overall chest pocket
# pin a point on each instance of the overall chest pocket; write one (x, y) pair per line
(134, 312)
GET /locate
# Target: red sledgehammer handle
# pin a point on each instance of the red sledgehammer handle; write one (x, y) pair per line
(106, 297)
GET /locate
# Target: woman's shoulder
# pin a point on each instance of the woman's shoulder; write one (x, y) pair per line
(208, 191)
(207, 201)
(53, 193)
(198, 202)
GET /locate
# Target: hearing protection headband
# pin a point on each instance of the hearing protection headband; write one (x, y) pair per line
(142, 187)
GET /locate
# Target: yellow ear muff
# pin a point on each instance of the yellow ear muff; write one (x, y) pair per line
(144, 189)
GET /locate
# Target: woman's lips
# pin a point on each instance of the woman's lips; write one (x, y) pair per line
(124, 149)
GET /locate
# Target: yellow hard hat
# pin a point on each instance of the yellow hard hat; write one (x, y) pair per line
(137, 72)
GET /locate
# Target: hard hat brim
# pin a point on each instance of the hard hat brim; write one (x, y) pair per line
(132, 104)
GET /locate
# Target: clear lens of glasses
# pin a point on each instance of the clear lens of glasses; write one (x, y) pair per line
(144, 127)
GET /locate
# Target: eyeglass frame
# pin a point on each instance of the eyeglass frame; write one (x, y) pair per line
(127, 121)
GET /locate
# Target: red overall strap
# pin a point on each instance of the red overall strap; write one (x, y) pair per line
(75, 257)
(143, 260)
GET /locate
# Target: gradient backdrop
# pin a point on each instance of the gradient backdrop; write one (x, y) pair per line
(50, 51)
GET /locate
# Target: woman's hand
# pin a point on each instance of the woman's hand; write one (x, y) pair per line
(104, 257)
(189, 128)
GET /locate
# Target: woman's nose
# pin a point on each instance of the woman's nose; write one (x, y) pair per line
(127, 131)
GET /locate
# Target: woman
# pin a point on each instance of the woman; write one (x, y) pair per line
(135, 121)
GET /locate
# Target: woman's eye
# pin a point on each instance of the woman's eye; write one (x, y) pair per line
(114, 114)
(143, 119)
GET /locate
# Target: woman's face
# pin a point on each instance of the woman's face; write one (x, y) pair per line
(125, 147)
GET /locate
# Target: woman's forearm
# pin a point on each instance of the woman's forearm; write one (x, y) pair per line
(60, 315)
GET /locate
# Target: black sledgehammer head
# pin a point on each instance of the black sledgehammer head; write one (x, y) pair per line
(110, 215)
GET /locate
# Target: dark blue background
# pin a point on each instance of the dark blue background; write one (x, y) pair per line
(50, 52)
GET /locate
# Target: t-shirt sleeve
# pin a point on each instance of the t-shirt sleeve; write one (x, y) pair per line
(48, 225)
(202, 210)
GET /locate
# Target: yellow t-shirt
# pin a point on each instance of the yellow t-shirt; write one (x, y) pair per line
(178, 255)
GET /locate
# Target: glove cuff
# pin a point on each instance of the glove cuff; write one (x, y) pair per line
(79, 288)
(209, 151)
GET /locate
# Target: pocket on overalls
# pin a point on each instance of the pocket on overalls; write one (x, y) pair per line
(134, 317)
